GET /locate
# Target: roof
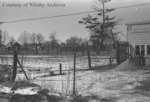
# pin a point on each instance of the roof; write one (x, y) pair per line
(139, 23)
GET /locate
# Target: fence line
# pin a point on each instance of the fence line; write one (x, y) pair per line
(66, 83)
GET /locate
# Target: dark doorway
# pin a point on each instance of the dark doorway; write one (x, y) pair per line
(140, 55)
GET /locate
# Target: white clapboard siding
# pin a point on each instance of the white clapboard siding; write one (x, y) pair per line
(139, 34)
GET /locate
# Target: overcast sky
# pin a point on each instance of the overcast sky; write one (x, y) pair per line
(65, 26)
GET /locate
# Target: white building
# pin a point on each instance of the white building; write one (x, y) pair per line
(138, 36)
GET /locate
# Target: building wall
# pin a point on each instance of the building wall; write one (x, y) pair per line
(139, 34)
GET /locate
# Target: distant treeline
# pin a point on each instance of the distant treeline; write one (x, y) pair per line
(54, 48)
(36, 44)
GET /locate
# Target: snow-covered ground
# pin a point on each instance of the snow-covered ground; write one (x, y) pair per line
(47, 64)
(116, 84)
(52, 62)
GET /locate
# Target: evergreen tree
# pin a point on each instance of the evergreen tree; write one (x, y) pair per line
(100, 25)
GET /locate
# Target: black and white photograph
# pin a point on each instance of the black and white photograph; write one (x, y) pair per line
(74, 51)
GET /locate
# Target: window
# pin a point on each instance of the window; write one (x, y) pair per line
(148, 49)
(140, 50)
(137, 50)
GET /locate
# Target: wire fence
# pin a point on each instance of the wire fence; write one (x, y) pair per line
(52, 79)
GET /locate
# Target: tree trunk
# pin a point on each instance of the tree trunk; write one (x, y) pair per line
(36, 49)
(102, 44)
(118, 52)
(48, 49)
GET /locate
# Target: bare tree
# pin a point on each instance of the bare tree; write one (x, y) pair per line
(11, 43)
(53, 42)
(37, 40)
(74, 43)
(34, 42)
(4, 37)
(0, 37)
(24, 39)
(40, 38)
(52, 37)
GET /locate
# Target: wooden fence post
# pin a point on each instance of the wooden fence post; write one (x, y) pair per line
(15, 56)
(22, 69)
(22, 58)
(74, 74)
(60, 68)
(110, 61)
